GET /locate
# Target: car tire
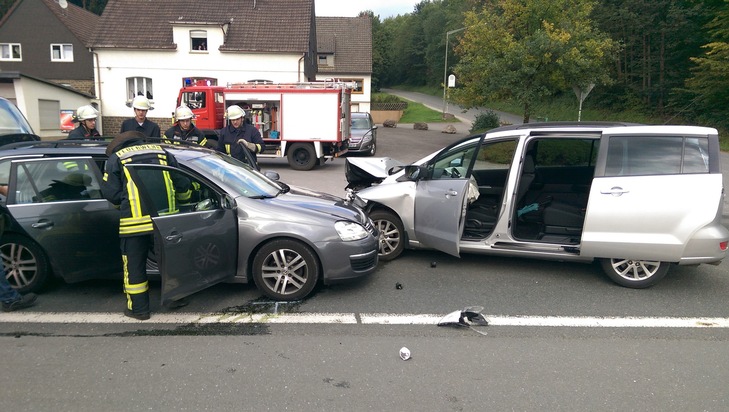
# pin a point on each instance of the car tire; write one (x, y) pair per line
(302, 156)
(285, 270)
(26, 265)
(637, 274)
(373, 149)
(392, 234)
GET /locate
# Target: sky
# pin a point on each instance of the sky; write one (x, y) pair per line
(351, 8)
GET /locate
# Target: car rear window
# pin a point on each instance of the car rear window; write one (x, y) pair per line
(657, 155)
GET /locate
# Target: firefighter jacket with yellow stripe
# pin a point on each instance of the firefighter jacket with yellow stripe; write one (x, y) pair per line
(229, 136)
(139, 199)
(174, 134)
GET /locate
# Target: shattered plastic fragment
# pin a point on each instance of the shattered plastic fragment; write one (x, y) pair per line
(467, 317)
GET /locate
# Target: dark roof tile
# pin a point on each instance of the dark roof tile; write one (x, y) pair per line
(270, 26)
(350, 39)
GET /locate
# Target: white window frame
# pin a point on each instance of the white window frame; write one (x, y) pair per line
(195, 37)
(9, 48)
(65, 52)
(139, 84)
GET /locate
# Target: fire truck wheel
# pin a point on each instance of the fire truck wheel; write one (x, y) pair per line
(302, 156)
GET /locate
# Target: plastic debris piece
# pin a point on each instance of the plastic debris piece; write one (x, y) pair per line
(398, 285)
(404, 353)
(468, 316)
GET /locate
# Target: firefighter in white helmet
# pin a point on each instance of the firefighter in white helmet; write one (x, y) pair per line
(238, 134)
(140, 123)
(86, 117)
(184, 129)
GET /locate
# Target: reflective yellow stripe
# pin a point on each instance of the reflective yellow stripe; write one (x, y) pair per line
(136, 288)
(227, 148)
(184, 195)
(131, 230)
(135, 204)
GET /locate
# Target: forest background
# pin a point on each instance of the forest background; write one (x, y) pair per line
(663, 59)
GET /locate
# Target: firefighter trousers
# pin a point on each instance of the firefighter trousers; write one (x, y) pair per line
(134, 250)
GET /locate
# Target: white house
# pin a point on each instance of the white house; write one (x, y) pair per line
(153, 47)
(344, 51)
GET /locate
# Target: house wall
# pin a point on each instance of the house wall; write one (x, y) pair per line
(360, 101)
(35, 27)
(168, 68)
(26, 93)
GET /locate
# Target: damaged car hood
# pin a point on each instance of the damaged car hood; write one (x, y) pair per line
(367, 171)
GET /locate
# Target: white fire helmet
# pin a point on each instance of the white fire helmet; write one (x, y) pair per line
(235, 112)
(86, 113)
(141, 103)
(183, 113)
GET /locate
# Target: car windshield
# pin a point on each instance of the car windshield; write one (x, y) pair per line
(237, 175)
(11, 120)
(360, 123)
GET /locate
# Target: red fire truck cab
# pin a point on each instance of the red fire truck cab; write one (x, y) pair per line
(306, 122)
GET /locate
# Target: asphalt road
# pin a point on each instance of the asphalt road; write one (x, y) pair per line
(562, 337)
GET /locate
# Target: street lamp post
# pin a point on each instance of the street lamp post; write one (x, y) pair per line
(445, 68)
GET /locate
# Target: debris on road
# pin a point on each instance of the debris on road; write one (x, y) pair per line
(468, 317)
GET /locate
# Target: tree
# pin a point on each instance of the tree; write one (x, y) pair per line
(525, 50)
(709, 82)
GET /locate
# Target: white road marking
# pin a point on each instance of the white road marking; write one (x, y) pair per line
(365, 319)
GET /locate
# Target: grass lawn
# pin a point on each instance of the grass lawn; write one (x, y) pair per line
(418, 113)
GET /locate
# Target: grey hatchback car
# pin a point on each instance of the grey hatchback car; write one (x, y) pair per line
(240, 227)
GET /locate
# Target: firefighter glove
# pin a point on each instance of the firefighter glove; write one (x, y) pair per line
(251, 146)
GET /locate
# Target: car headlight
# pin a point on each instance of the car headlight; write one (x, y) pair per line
(367, 138)
(349, 231)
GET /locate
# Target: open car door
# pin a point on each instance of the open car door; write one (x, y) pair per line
(197, 243)
(440, 198)
(440, 210)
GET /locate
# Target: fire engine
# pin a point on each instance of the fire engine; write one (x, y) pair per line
(308, 123)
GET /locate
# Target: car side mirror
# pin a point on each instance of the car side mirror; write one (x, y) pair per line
(229, 202)
(413, 173)
(272, 175)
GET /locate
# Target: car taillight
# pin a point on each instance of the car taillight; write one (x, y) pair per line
(723, 245)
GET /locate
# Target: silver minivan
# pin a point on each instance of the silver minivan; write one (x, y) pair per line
(638, 198)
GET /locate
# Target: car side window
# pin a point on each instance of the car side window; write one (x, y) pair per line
(656, 155)
(190, 194)
(454, 162)
(55, 180)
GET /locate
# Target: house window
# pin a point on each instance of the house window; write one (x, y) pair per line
(139, 86)
(61, 52)
(198, 40)
(357, 83)
(323, 60)
(10, 51)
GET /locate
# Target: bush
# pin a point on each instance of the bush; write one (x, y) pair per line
(485, 121)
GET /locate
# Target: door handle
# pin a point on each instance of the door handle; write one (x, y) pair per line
(174, 238)
(615, 191)
(450, 193)
(42, 224)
